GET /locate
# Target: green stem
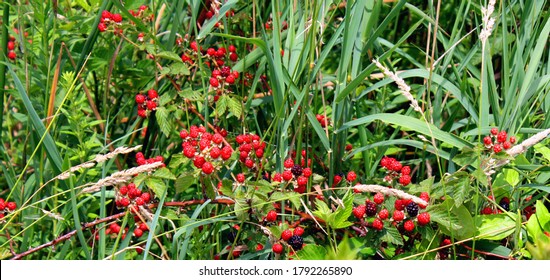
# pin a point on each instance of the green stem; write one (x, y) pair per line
(4, 47)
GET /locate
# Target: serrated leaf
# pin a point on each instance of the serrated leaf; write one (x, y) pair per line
(179, 68)
(322, 212)
(227, 188)
(184, 182)
(312, 252)
(494, 227)
(292, 196)
(164, 173)
(139, 179)
(190, 94)
(241, 209)
(166, 98)
(164, 123)
(339, 219)
(221, 105)
(209, 188)
(177, 160)
(169, 55)
(235, 107)
(443, 215)
(391, 235)
(151, 48)
(156, 185)
(461, 191)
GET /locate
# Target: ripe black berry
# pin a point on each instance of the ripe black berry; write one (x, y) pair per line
(296, 242)
(296, 170)
(412, 209)
(231, 236)
(505, 203)
(371, 208)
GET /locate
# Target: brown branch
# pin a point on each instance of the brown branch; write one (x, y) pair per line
(67, 236)
(486, 253)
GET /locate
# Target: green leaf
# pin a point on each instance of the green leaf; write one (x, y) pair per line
(235, 107)
(156, 185)
(166, 98)
(179, 68)
(539, 222)
(241, 208)
(339, 219)
(177, 160)
(209, 188)
(312, 252)
(322, 212)
(511, 176)
(169, 55)
(494, 227)
(391, 235)
(163, 120)
(221, 105)
(190, 94)
(227, 188)
(164, 173)
(461, 191)
(442, 214)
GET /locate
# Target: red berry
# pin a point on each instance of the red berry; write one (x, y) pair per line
(277, 248)
(233, 56)
(396, 166)
(378, 198)
(405, 180)
(189, 151)
(506, 145)
(240, 178)
(259, 247)
(230, 79)
(152, 94)
(11, 205)
(377, 224)
(232, 48)
(101, 27)
(383, 214)
(12, 55)
(199, 161)
(287, 175)
(116, 18)
(207, 168)
(497, 148)
(249, 163)
(139, 201)
(307, 172)
(406, 170)
(146, 197)
(143, 227)
(359, 211)
(123, 190)
(140, 98)
(512, 139)
(226, 152)
(494, 131)
(398, 215)
(124, 202)
(193, 46)
(214, 82)
(138, 232)
(271, 216)
(151, 105)
(501, 137)
(114, 228)
(302, 181)
(11, 45)
(286, 234)
(349, 147)
(337, 179)
(487, 140)
(289, 163)
(298, 231)
(423, 218)
(351, 176)
(425, 196)
(409, 225)
(211, 51)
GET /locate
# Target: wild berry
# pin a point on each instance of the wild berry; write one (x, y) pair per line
(259, 247)
(383, 214)
(11, 45)
(151, 105)
(287, 175)
(207, 168)
(405, 180)
(378, 198)
(497, 148)
(512, 139)
(277, 177)
(298, 231)
(101, 27)
(143, 227)
(140, 99)
(116, 18)
(506, 145)
(406, 170)
(233, 57)
(296, 170)
(152, 94)
(277, 248)
(138, 232)
(11, 205)
(230, 79)
(398, 205)
(487, 140)
(351, 176)
(505, 203)
(494, 131)
(115, 228)
(286, 234)
(409, 225)
(370, 208)
(501, 137)
(337, 179)
(214, 82)
(139, 201)
(296, 242)
(396, 166)
(423, 218)
(377, 224)
(271, 216)
(240, 178)
(289, 163)
(398, 215)
(302, 181)
(412, 209)
(359, 211)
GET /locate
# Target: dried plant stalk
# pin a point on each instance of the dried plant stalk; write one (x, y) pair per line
(122, 176)
(405, 89)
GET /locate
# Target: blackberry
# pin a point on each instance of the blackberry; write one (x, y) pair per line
(296, 170)
(231, 236)
(505, 203)
(296, 242)
(412, 209)
(371, 208)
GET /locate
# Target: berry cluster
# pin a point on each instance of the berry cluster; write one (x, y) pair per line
(204, 148)
(147, 103)
(395, 170)
(11, 48)
(141, 227)
(251, 150)
(141, 160)
(292, 238)
(322, 120)
(296, 174)
(504, 203)
(6, 207)
(498, 141)
(107, 20)
(131, 195)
